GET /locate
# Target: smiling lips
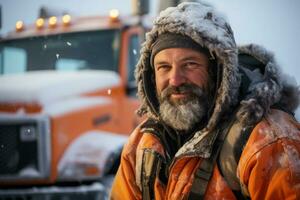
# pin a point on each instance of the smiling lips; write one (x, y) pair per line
(179, 95)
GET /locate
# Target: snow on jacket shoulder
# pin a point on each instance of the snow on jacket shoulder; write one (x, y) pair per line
(269, 166)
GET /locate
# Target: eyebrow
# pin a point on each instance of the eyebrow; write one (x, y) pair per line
(181, 60)
(160, 63)
(190, 58)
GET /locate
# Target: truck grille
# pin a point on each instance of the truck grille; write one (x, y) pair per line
(24, 151)
(15, 154)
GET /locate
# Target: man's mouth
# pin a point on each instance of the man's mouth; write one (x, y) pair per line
(178, 95)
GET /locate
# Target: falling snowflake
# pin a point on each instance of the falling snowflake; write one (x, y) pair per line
(134, 51)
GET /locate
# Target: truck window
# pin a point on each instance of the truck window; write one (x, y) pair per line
(15, 62)
(133, 57)
(66, 64)
(96, 50)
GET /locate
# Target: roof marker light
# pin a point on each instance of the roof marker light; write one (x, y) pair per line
(114, 14)
(66, 20)
(52, 21)
(19, 26)
(39, 23)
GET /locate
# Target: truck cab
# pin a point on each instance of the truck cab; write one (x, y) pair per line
(67, 104)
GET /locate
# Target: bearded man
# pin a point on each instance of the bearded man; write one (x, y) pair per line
(219, 121)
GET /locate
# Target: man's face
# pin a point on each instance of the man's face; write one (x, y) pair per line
(181, 77)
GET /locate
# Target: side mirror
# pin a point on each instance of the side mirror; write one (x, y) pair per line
(140, 7)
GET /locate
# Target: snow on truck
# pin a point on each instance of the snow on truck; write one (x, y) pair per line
(67, 102)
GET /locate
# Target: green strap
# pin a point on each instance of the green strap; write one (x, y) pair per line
(203, 174)
(227, 149)
(229, 157)
(150, 167)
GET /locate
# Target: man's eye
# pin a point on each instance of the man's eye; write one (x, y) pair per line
(163, 67)
(192, 65)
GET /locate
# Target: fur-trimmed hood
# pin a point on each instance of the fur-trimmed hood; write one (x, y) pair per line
(263, 87)
(207, 28)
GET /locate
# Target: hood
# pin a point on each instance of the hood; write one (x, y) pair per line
(207, 28)
(44, 87)
(249, 77)
(264, 85)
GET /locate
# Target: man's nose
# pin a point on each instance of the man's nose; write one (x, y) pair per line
(177, 77)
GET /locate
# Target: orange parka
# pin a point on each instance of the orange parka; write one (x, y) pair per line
(248, 88)
(269, 167)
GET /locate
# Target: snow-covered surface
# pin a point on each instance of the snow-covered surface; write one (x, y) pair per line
(21, 115)
(30, 171)
(73, 104)
(281, 127)
(92, 149)
(95, 187)
(47, 86)
(293, 159)
(215, 28)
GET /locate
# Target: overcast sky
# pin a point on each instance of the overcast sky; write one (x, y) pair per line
(271, 23)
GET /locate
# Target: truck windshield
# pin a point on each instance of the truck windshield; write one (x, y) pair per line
(97, 50)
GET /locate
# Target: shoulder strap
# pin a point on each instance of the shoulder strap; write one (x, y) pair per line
(231, 151)
(152, 162)
(227, 149)
(150, 168)
(204, 173)
(230, 154)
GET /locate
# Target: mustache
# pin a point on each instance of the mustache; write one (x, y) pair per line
(189, 88)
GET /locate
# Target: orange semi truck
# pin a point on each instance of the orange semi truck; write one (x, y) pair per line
(67, 102)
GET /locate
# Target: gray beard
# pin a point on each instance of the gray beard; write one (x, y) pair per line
(184, 115)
